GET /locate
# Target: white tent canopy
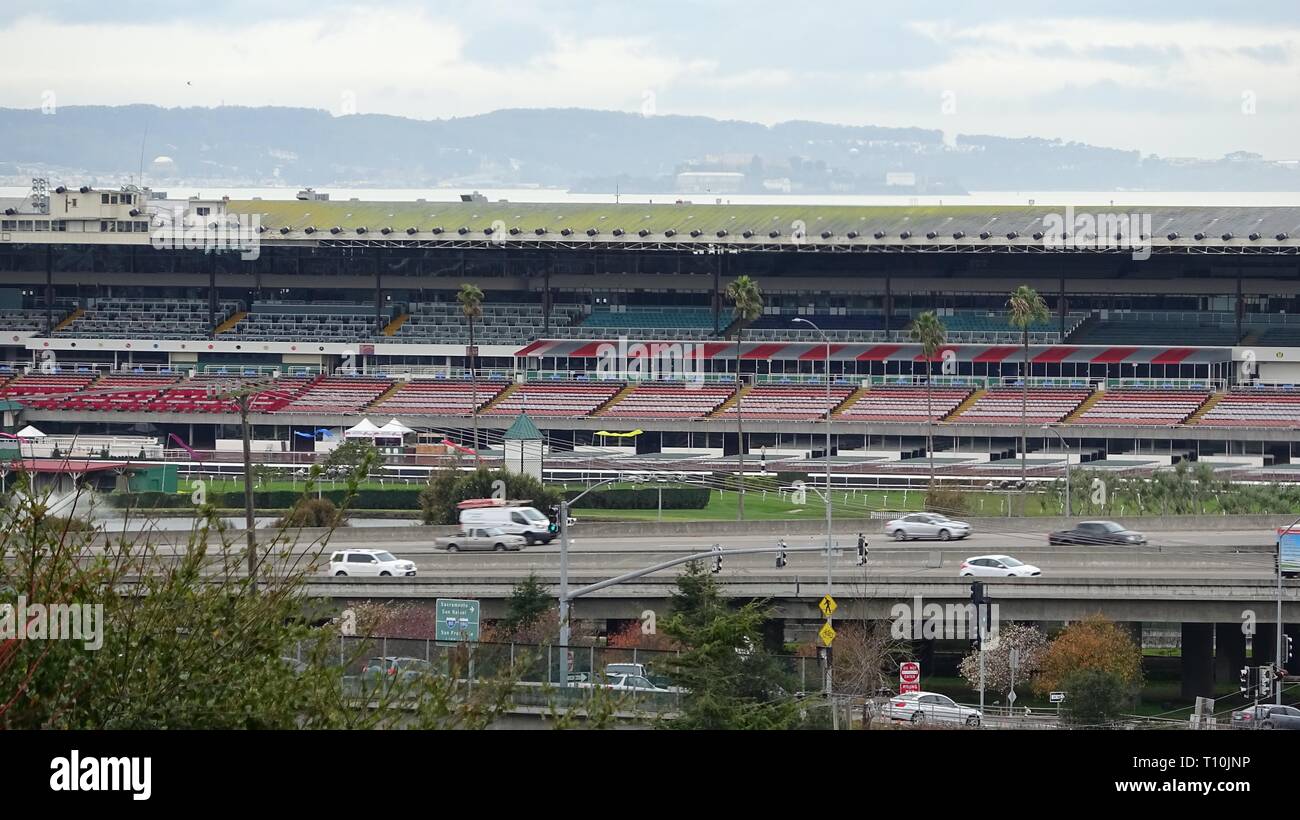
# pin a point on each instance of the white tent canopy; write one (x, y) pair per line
(362, 429)
(29, 432)
(395, 428)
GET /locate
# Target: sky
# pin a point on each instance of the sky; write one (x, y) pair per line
(1188, 78)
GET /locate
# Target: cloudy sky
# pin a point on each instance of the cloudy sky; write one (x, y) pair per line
(1186, 78)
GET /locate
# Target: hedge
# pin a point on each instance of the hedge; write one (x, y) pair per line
(398, 498)
(674, 498)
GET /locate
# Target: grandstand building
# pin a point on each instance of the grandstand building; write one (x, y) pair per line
(1177, 336)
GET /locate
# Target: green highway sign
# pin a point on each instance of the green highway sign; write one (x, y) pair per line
(458, 620)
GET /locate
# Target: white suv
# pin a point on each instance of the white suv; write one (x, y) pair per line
(369, 563)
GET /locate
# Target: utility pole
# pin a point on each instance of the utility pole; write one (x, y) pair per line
(1057, 433)
(829, 537)
(243, 401)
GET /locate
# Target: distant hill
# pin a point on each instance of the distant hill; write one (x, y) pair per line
(580, 149)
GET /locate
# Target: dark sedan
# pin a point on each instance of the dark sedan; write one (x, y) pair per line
(1097, 532)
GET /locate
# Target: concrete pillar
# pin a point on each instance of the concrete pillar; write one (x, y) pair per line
(1198, 660)
(774, 635)
(1229, 652)
(1263, 645)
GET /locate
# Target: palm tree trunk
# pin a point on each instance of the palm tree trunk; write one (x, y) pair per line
(1024, 412)
(740, 434)
(929, 415)
(473, 381)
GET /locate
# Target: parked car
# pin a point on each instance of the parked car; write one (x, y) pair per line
(1003, 566)
(369, 563)
(636, 682)
(481, 538)
(626, 669)
(920, 708)
(397, 669)
(926, 525)
(1097, 532)
(1265, 716)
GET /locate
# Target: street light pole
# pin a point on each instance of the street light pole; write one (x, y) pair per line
(1277, 650)
(564, 577)
(1057, 433)
(242, 401)
(829, 513)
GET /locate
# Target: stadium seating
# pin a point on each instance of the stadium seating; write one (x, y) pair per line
(787, 402)
(1158, 407)
(501, 323)
(566, 399)
(27, 321)
(337, 394)
(904, 403)
(195, 395)
(438, 398)
(647, 323)
(145, 318)
(1154, 331)
(317, 322)
(1255, 407)
(1002, 405)
(45, 384)
(669, 401)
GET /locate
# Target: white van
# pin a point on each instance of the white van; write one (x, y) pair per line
(525, 521)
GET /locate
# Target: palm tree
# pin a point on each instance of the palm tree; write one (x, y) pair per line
(928, 330)
(471, 305)
(1025, 308)
(747, 300)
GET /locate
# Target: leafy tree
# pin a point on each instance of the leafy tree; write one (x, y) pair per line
(190, 641)
(529, 601)
(471, 307)
(1024, 309)
(1093, 643)
(747, 301)
(448, 488)
(350, 458)
(731, 682)
(928, 330)
(867, 658)
(313, 512)
(1096, 698)
(1032, 645)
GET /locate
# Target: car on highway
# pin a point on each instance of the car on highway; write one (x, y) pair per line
(369, 563)
(393, 668)
(1001, 566)
(481, 538)
(1096, 532)
(626, 669)
(926, 525)
(638, 683)
(1264, 716)
(921, 708)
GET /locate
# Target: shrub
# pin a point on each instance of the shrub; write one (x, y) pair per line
(313, 512)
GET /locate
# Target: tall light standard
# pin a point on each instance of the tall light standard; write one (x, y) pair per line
(563, 515)
(1277, 656)
(1057, 433)
(827, 455)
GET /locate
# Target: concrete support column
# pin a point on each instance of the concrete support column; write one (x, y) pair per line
(1198, 660)
(774, 635)
(1229, 652)
(1263, 644)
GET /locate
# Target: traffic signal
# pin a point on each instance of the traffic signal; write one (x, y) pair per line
(1245, 680)
(1265, 681)
(780, 557)
(1286, 648)
(862, 550)
(717, 560)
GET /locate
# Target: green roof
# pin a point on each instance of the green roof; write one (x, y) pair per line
(523, 430)
(725, 223)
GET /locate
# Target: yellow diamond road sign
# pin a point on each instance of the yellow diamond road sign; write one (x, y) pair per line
(828, 605)
(827, 633)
